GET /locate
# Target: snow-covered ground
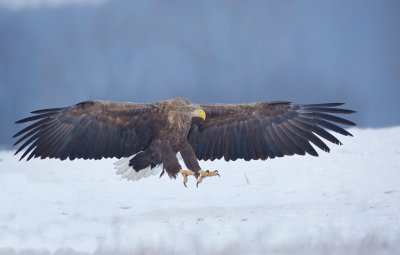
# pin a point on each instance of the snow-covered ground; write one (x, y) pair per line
(343, 202)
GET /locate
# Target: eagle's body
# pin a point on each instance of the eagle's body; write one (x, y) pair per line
(152, 134)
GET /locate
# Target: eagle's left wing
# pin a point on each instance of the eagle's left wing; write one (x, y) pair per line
(265, 130)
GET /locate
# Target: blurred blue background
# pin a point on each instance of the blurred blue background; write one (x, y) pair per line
(209, 51)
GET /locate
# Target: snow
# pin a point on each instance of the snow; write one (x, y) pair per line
(343, 202)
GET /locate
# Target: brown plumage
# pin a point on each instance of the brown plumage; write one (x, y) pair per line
(154, 133)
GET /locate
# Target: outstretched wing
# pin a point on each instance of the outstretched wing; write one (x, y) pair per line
(265, 130)
(89, 130)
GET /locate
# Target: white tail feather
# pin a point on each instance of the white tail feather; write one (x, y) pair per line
(127, 172)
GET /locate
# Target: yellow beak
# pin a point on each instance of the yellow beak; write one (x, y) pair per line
(199, 113)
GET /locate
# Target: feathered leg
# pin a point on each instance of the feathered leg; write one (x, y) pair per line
(169, 160)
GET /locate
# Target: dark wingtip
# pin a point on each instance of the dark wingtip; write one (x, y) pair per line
(19, 121)
(323, 105)
(26, 120)
(350, 123)
(20, 157)
(46, 110)
(19, 133)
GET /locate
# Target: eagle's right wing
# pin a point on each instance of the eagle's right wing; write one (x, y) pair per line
(89, 130)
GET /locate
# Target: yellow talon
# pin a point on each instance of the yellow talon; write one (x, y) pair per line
(185, 174)
(203, 174)
(200, 175)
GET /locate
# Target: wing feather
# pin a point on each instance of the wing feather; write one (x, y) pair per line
(89, 130)
(266, 130)
(288, 140)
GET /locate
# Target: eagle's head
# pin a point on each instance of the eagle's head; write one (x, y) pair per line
(185, 107)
